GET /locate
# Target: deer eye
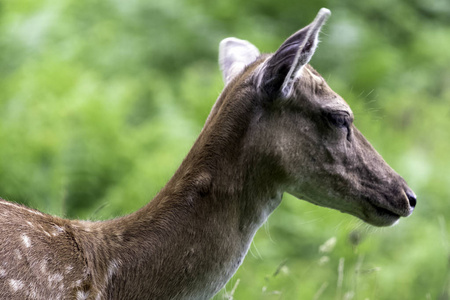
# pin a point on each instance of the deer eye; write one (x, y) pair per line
(340, 119)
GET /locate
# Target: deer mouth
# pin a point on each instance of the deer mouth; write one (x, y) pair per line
(385, 209)
(368, 211)
(380, 216)
(387, 216)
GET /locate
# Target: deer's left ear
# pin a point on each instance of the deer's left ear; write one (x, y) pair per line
(285, 66)
(234, 56)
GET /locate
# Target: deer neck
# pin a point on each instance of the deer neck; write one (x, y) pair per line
(223, 174)
(202, 222)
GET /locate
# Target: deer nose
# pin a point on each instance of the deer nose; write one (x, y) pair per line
(411, 198)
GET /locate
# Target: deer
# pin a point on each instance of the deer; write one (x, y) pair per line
(276, 127)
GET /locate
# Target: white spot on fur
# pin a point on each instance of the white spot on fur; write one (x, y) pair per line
(31, 224)
(81, 295)
(26, 240)
(69, 269)
(15, 285)
(18, 254)
(2, 272)
(58, 230)
(112, 268)
(77, 283)
(55, 280)
(55, 277)
(43, 267)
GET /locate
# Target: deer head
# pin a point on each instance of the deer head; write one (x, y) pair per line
(307, 130)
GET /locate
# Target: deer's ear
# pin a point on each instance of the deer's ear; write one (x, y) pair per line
(234, 56)
(285, 66)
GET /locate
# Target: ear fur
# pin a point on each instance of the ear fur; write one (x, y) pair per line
(285, 65)
(234, 56)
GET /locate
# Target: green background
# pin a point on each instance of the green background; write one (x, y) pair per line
(101, 100)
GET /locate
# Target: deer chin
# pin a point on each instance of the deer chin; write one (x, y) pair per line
(370, 213)
(380, 217)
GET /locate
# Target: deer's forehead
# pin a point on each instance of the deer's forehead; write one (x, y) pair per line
(312, 81)
(309, 81)
(323, 94)
(313, 75)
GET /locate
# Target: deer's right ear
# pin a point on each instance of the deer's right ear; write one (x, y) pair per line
(284, 67)
(234, 56)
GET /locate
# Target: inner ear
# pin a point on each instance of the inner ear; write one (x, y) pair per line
(285, 65)
(234, 56)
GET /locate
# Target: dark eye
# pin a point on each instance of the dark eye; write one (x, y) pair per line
(341, 120)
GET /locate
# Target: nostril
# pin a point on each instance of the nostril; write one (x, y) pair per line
(411, 198)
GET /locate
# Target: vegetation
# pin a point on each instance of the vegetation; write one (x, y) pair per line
(101, 100)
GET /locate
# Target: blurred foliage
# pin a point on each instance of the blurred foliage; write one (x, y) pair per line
(101, 100)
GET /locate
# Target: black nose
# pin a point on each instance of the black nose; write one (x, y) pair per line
(412, 198)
